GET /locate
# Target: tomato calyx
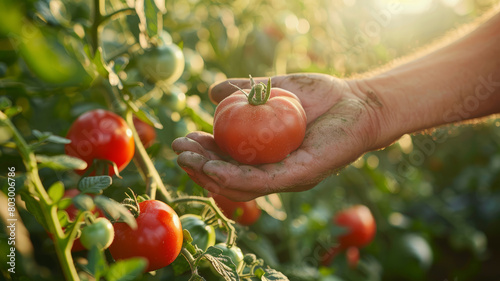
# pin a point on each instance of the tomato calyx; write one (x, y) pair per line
(259, 93)
(132, 203)
(100, 167)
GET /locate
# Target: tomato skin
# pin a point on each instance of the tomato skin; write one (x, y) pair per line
(101, 134)
(203, 235)
(100, 233)
(250, 212)
(162, 63)
(146, 132)
(352, 256)
(259, 134)
(158, 237)
(360, 223)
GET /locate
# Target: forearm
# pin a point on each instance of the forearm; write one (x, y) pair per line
(458, 82)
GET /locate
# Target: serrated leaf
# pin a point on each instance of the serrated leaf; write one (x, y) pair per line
(222, 264)
(94, 185)
(83, 202)
(126, 270)
(5, 103)
(56, 191)
(96, 262)
(115, 211)
(61, 162)
(273, 275)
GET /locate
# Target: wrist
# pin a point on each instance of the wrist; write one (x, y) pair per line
(383, 127)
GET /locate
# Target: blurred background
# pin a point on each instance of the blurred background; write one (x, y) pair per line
(435, 197)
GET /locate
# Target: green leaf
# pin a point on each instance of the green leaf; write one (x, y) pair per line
(222, 264)
(33, 206)
(149, 118)
(115, 211)
(83, 202)
(180, 265)
(150, 19)
(12, 111)
(61, 162)
(126, 270)
(273, 275)
(64, 203)
(5, 103)
(63, 218)
(56, 191)
(97, 262)
(94, 185)
(48, 136)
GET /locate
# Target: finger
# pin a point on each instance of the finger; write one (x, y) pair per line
(206, 140)
(182, 144)
(218, 92)
(192, 164)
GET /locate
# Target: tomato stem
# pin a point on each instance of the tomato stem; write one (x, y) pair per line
(48, 207)
(260, 93)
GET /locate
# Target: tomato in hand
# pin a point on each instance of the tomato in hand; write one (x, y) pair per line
(161, 63)
(99, 234)
(146, 132)
(360, 226)
(158, 237)
(263, 127)
(244, 213)
(203, 235)
(101, 134)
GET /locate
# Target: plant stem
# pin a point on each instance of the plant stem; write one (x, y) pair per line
(49, 209)
(231, 232)
(96, 22)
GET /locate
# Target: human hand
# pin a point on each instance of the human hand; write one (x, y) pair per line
(342, 124)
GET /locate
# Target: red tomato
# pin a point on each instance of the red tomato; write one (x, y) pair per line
(146, 132)
(253, 133)
(245, 213)
(101, 134)
(158, 237)
(360, 224)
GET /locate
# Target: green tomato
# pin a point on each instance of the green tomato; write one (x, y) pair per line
(100, 234)
(234, 252)
(203, 235)
(162, 63)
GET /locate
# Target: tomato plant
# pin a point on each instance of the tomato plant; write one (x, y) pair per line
(360, 226)
(263, 127)
(158, 236)
(161, 63)
(99, 234)
(203, 235)
(146, 132)
(101, 134)
(245, 213)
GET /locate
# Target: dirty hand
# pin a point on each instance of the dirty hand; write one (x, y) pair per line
(343, 123)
